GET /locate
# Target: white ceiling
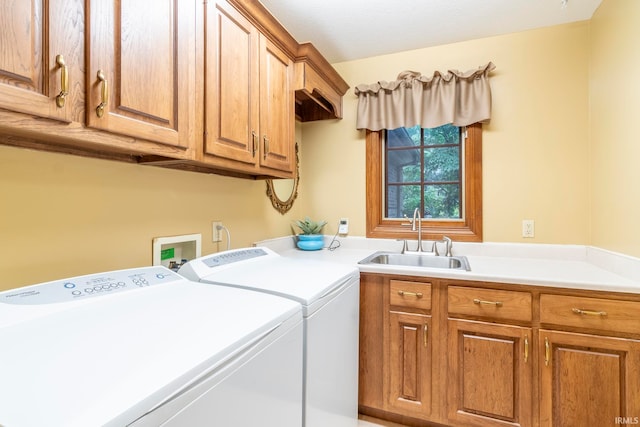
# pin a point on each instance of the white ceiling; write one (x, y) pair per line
(344, 30)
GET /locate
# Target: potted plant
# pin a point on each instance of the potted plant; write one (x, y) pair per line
(310, 239)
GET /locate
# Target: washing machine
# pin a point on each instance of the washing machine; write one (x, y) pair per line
(329, 294)
(146, 347)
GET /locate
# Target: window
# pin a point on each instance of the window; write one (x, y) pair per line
(438, 171)
(423, 169)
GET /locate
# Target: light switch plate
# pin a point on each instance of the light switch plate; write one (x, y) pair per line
(343, 226)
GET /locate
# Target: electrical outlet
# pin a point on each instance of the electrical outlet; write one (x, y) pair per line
(528, 228)
(215, 232)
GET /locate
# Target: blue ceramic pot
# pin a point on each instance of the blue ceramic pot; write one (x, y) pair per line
(310, 242)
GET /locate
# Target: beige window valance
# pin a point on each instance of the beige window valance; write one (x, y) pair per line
(454, 97)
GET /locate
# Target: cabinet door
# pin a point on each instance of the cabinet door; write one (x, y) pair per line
(232, 85)
(34, 35)
(141, 68)
(490, 371)
(277, 101)
(409, 388)
(588, 380)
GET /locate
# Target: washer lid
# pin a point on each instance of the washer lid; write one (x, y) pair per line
(305, 281)
(113, 360)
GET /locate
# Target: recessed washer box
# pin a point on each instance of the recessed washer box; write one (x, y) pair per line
(173, 249)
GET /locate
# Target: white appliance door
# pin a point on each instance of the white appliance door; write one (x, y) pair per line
(260, 386)
(332, 361)
(109, 361)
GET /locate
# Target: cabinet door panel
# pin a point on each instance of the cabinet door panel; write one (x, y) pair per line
(144, 49)
(21, 27)
(277, 107)
(146, 35)
(33, 33)
(588, 380)
(232, 77)
(491, 372)
(410, 363)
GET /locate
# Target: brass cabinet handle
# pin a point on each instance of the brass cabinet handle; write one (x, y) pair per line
(254, 137)
(104, 92)
(410, 294)
(64, 81)
(425, 333)
(526, 348)
(547, 351)
(266, 145)
(480, 301)
(589, 312)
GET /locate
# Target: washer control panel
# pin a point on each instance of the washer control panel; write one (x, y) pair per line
(90, 286)
(234, 256)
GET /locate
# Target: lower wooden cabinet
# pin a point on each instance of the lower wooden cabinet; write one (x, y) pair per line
(458, 353)
(588, 380)
(397, 340)
(409, 363)
(490, 374)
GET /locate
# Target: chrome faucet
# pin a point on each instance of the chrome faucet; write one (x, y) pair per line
(416, 216)
(434, 247)
(448, 245)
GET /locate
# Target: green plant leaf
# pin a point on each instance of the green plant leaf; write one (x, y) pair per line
(309, 226)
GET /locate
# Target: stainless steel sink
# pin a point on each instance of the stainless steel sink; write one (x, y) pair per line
(418, 260)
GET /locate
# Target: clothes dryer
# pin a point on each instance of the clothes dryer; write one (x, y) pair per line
(329, 294)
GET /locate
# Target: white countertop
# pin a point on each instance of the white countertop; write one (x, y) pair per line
(564, 266)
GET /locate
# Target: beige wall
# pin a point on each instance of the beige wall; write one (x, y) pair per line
(615, 114)
(63, 216)
(535, 150)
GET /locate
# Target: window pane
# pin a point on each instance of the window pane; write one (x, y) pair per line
(403, 137)
(447, 134)
(442, 201)
(441, 164)
(403, 166)
(402, 200)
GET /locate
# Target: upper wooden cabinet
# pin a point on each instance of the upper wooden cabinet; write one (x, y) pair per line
(203, 86)
(232, 81)
(249, 103)
(277, 120)
(140, 68)
(319, 88)
(42, 57)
